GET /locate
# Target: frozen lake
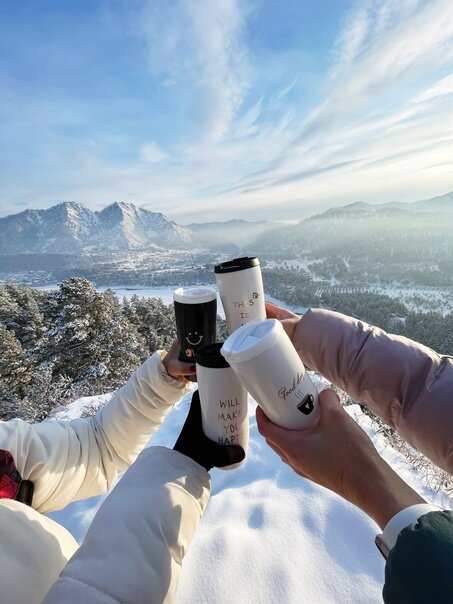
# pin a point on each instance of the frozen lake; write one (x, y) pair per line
(165, 294)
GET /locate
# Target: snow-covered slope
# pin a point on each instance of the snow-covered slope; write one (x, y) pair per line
(268, 536)
(124, 226)
(70, 226)
(61, 228)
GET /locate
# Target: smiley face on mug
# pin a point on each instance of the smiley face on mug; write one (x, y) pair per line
(194, 339)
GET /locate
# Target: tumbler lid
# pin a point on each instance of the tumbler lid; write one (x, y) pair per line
(251, 340)
(194, 295)
(238, 264)
(209, 356)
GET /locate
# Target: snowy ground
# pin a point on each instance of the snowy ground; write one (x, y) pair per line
(268, 535)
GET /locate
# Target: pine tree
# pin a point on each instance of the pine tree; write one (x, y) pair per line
(11, 372)
(119, 346)
(153, 320)
(92, 341)
(22, 315)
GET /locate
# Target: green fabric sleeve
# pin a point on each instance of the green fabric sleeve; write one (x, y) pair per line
(419, 568)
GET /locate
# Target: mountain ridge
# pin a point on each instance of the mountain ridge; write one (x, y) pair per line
(70, 226)
(440, 203)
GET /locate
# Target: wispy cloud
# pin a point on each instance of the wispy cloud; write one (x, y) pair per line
(228, 121)
(384, 106)
(199, 47)
(443, 87)
(152, 153)
(382, 50)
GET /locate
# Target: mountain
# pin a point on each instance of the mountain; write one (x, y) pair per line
(401, 241)
(71, 227)
(237, 232)
(441, 204)
(124, 226)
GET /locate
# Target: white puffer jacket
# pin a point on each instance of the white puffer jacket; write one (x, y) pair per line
(68, 461)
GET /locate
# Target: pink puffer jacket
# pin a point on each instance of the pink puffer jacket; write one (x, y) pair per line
(407, 384)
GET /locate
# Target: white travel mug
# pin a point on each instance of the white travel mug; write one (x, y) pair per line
(264, 359)
(241, 290)
(223, 400)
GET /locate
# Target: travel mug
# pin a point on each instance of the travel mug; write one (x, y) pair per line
(264, 359)
(223, 400)
(196, 316)
(241, 290)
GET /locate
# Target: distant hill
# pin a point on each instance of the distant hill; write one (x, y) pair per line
(236, 232)
(370, 240)
(71, 227)
(441, 204)
(359, 240)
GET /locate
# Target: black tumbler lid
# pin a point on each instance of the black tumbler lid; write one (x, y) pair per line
(238, 264)
(209, 356)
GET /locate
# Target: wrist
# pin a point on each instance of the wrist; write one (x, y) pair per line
(406, 517)
(384, 494)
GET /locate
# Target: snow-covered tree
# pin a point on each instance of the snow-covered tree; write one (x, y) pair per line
(153, 319)
(21, 313)
(11, 372)
(91, 340)
(75, 341)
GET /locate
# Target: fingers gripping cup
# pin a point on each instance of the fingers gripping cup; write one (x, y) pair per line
(240, 285)
(196, 315)
(267, 364)
(223, 400)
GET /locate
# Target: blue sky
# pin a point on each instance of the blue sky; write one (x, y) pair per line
(213, 109)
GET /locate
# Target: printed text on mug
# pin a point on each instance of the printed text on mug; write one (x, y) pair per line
(285, 392)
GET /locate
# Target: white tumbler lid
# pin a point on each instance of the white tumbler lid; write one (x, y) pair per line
(194, 295)
(251, 340)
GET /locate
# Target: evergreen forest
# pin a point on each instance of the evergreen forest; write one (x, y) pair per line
(56, 346)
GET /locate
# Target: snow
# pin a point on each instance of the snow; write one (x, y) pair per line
(269, 535)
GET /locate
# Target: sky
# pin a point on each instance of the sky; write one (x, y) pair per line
(210, 110)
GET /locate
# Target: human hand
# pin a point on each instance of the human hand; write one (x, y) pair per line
(338, 455)
(195, 444)
(287, 318)
(174, 367)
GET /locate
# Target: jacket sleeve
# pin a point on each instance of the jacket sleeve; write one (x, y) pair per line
(81, 458)
(419, 567)
(133, 550)
(405, 383)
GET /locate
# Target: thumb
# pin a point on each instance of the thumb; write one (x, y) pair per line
(277, 312)
(329, 400)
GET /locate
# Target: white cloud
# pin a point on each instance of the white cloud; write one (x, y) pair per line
(281, 94)
(408, 44)
(350, 41)
(199, 46)
(440, 88)
(151, 153)
(383, 130)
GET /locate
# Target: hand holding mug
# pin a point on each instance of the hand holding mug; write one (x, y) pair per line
(287, 318)
(338, 455)
(193, 442)
(174, 367)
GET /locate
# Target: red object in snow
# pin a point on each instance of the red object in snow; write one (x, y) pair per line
(10, 478)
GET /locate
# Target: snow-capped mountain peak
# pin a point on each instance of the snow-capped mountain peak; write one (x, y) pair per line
(69, 226)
